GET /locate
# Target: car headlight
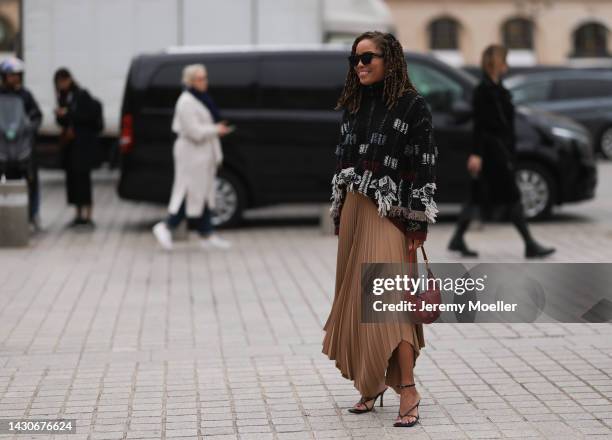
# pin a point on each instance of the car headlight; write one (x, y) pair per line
(567, 134)
(580, 139)
(563, 133)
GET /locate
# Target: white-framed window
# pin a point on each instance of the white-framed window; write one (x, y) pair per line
(518, 37)
(444, 34)
(444, 43)
(591, 41)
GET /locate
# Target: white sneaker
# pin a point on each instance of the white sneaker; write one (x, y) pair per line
(215, 242)
(163, 235)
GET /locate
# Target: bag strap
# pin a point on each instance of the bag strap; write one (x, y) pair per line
(425, 256)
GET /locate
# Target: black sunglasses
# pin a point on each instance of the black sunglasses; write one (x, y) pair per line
(365, 58)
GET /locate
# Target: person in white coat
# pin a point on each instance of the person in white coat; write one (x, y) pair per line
(197, 155)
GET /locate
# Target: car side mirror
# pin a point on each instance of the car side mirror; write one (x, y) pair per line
(461, 111)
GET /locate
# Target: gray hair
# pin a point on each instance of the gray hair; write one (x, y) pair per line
(190, 71)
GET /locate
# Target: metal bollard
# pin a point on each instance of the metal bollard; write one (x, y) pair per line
(14, 224)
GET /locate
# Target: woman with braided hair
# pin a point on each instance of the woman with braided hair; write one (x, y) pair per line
(382, 203)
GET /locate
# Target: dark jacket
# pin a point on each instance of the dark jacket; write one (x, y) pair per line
(493, 117)
(494, 140)
(31, 106)
(80, 153)
(390, 157)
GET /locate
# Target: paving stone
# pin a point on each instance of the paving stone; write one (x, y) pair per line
(135, 343)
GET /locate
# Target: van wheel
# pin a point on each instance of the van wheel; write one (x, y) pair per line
(538, 190)
(229, 200)
(605, 143)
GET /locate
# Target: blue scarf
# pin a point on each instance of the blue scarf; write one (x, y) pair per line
(207, 100)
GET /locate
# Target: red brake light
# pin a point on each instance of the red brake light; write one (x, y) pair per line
(126, 141)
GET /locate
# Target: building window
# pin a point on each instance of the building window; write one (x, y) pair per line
(444, 34)
(7, 36)
(591, 40)
(517, 34)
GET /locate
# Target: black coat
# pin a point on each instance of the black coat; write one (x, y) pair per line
(81, 153)
(494, 140)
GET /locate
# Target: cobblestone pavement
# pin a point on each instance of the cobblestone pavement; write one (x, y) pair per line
(134, 343)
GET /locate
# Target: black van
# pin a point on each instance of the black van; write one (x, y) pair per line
(281, 102)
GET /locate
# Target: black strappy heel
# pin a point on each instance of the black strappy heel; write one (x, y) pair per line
(401, 416)
(363, 401)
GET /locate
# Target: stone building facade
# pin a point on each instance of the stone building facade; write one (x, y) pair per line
(536, 31)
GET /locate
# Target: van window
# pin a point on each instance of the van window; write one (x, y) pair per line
(304, 81)
(581, 89)
(531, 92)
(231, 83)
(438, 89)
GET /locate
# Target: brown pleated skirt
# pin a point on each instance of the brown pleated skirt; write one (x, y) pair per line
(366, 353)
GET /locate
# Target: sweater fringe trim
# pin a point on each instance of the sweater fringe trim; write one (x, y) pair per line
(385, 194)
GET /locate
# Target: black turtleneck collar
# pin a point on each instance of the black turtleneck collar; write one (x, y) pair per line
(375, 89)
(489, 81)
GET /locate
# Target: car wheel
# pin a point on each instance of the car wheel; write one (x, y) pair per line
(537, 188)
(229, 200)
(605, 143)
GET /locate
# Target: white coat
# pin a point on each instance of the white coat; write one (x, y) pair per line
(197, 154)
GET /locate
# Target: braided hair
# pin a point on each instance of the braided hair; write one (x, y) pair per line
(396, 81)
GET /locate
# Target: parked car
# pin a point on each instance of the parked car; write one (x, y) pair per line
(541, 68)
(583, 95)
(517, 70)
(281, 102)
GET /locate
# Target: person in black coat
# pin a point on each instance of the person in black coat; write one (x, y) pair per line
(76, 114)
(493, 160)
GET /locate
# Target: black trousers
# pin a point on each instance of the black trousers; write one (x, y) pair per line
(78, 187)
(477, 203)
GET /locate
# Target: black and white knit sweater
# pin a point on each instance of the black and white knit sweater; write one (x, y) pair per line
(390, 157)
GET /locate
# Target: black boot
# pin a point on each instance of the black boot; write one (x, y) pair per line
(532, 248)
(457, 243)
(535, 250)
